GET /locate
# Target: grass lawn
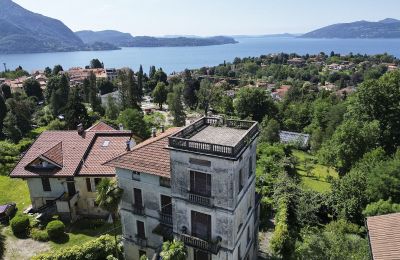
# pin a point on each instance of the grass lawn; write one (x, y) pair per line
(14, 190)
(317, 178)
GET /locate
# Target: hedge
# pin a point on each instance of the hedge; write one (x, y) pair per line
(281, 240)
(20, 224)
(39, 235)
(55, 229)
(98, 249)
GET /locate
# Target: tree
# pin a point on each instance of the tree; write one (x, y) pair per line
(112, 108)
(132, 119)
(108, 198)
(10, 128)
(130, 94)
(96, 64)
(57, 69)
(174, 250)
(160, 76)
(32, 89)
(6, 89)
(75, 111)
(86, 90)
(254, 103)
(22, 108)
(47, 72)
(176, 107)
(189, 90)
(3, 113)
(152, 72)
(95, 101)
(270, 131)
(140, 78)
(381, 207)
(160, 94)
(58, 93)
(226, 105)
(208, 95)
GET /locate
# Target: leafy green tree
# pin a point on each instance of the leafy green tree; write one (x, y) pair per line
(6, 90)
(96, 64)
(3, 113)
(94, 99)
(32, 89)
(269, 131)
(208, 95)
(112, 108)
(174, 250)
(254, 103)
(57, 69)
(152, 72)
(10, 128)
(86, 90)
(56, 124)
(349, 143)
(9, 156)
(160, 94)
(160, 76)
(22, 108)
(57, 93)
(108, 198)
(381, 207)
(175, 105)
(226, 105)
(130, 94)
(47, 72)
(132, 119)
(75, 111)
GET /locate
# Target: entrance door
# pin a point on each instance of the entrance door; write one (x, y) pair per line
(201, 225)
(71, 186)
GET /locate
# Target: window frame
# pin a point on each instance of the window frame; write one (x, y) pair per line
(46, 185)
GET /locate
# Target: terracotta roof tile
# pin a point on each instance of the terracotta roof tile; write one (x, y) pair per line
(384, 236)
(55, 154)
(100, 126)
(150, 156)
(74, 150)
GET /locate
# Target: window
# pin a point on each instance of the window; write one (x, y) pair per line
(200, 183)
(140, 229)
(137, 194)
(136, 176)
(240, 180)
(166, 205)
(165, 182)
(105, 143)
(250, 166)
(96, 182)
(46, 184)
(88, 185)
(201, 225)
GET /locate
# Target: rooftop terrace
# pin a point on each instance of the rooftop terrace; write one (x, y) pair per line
(215, 136)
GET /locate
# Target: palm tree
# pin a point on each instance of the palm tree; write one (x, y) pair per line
(108, 197)
(174, 250)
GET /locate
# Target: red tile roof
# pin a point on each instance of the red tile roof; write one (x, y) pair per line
(55, 154)
(150, 156)
(72, 149)
(100, 126)
(384, 236)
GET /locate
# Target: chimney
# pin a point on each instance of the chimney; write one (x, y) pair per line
(153, 132)
(130, 144)
(121, 127)
(80, 129)
(162, 128)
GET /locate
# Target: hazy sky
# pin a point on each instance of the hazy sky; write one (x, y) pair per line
(210, 17)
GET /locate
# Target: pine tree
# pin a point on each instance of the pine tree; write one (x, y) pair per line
(140, 78)
(75, 111)
(152, 72)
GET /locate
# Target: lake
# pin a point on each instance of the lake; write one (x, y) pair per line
(178, 58)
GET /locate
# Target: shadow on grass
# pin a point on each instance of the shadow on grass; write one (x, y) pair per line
(62, 239)
(94, 228)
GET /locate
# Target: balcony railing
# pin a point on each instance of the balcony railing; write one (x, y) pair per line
(138, 209)
(141, 241)
(212, 246)
(181, 140)
(201, 200)
(165, 218)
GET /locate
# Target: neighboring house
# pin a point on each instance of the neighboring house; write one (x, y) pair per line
(112, 74)
(298, 139)
(280, 93)
(62, 169)
(115, 95)
(384, 236)
(196, 184)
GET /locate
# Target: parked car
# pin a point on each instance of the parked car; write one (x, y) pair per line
(6, 211)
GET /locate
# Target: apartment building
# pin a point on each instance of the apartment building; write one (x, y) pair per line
(196, 184)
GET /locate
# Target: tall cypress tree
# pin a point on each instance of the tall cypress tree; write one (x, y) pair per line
(140, 78)
(75, 112)
(95, 102)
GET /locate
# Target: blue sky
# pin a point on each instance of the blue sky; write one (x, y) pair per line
(211, 17)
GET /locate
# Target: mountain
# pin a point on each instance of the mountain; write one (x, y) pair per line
(127, 40)
(22, 31)
(387, 28)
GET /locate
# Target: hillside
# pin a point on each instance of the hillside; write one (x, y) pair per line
(387, 28)
(22, 31)
(127, 40)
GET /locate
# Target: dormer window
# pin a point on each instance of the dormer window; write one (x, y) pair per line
(105, 143)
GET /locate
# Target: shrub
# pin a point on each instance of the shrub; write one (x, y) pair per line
(97, 249)
(20, 225)
(55, 229)
(39, 235)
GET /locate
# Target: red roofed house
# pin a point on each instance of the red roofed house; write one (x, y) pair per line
(62, 168)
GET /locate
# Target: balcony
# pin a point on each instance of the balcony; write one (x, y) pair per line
(200, 200)
(138, 210)
(141, 241)
(165, 218)
(215, 136)
(212, 246)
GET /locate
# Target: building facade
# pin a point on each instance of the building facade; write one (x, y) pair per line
(196, 184)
